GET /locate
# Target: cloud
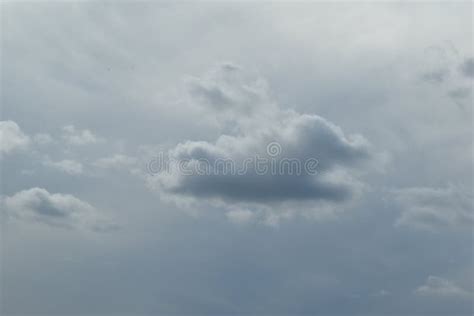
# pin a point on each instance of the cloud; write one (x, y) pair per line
(434, 208)
(435, 76)
(12, 138)
(43, 139)
(116, 162)
(439, 287)
(74, 136)
(68, 166)
(54, 209)
(446, 69)
(301, 137)
(228, 92)
(460, 94)
(467, 67)
(240, 216)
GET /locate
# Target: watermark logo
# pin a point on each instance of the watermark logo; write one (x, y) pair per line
(273, 149)
(273, 163)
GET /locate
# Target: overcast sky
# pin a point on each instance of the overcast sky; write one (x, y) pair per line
(378, 96)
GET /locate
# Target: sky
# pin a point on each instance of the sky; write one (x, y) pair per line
(137, 143)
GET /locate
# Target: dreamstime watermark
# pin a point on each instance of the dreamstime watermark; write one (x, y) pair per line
(270, 164)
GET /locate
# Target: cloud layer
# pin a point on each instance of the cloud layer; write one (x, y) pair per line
(312, 76)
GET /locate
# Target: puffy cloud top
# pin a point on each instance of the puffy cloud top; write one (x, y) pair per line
(11, 137)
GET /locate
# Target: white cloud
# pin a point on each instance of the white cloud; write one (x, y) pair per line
(12, 138)
(55, 209)
(68, 166)
(116, 161)
(439, 287)
(43, 139)
(74, 136)
(240, 216)
(433, 208)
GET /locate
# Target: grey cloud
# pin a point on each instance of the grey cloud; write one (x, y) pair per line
(12, 137)
(445, 63)
(467, 67)
(226, 88)
(262, 189)
(436, 76)
(434, 208)
(232, 97)
(55, 209)
(300, 136)
(441, 288)
(460, 94)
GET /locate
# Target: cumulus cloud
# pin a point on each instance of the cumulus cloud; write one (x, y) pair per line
(12, 138)
(68, 166)
(233, 95)
(300, 136)
(78, 137)
(439, 287)
(55, 209)
(434, 208)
